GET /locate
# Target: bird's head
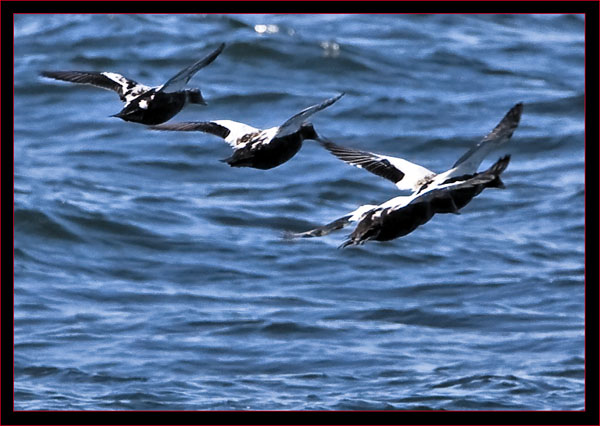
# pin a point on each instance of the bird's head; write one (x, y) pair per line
(307, 131)
(194, 96)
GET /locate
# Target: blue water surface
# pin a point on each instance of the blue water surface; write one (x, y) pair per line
(150, 275)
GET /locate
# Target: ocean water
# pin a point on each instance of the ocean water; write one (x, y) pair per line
(150, 276)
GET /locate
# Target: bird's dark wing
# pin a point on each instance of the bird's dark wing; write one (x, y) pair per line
(471, 159)
(192, 126)
(126, 88)
(294, 123)
(179, 80)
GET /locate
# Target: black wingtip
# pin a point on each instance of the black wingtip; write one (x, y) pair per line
(338, 96)
(216, 52)
(212, 56)
(333, 99)
(516, 111)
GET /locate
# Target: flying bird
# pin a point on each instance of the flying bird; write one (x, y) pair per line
(432, 193)
(144, 104)
(260, 149)
(402, 215)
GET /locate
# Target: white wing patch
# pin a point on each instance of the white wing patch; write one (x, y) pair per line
(253, 140)
(236, 131)
(129, 90)
(413, 173)
(266, 136)
(398, 202)
(360, 212)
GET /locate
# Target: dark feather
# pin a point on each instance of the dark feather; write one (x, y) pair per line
(92, 78)
(502, 131)
(191, 126)
(366, 160)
